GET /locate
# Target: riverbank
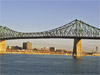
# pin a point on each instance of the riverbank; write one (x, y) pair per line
(44, 53)
(31, 53)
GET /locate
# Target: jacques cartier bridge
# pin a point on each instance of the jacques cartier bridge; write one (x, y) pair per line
(76, 30)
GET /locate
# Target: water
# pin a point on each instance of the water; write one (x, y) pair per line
(22, 64)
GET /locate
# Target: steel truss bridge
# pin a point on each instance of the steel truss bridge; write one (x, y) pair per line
(76, 30)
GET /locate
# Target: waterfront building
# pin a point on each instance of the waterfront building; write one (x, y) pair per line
(27, 45)
(52, 49)
(14, 47)
(96, 54)
(8, 47)
(45, 48)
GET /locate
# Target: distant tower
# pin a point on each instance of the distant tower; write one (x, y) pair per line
(96, 49)
(27, 45)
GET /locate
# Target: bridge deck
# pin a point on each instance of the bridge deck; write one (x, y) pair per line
(48, 37)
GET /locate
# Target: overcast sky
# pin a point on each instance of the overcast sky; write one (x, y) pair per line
(42, 15)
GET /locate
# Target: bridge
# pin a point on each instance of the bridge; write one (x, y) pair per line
(76, 30)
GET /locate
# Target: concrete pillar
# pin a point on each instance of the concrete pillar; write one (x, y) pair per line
(2, 45)
(77, 49)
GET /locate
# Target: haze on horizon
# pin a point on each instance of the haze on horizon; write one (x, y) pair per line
(36, 16)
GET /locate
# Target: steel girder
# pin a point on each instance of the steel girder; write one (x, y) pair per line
(76, 28)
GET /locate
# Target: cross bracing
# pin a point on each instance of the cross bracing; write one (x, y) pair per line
(74, 29)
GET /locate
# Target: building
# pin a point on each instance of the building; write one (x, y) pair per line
(27, 45)
(96, 54)
(14, 47)
(52, 49)
(45, 48)
(8, 47)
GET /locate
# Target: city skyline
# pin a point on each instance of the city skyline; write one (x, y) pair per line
(36, 16)
(68, 45)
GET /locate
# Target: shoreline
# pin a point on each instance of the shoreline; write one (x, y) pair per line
(40, 53)
(32, 53)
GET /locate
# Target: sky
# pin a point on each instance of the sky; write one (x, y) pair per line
(42, 15)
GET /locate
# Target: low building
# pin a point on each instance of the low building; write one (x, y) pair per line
(45, 48)
(96, 54)
(52, 49)
(8, 47)
(14, 47)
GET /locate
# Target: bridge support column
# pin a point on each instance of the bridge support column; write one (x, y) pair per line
(77, 49)
(2, 45)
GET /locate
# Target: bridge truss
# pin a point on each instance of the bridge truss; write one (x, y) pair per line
(74, 29)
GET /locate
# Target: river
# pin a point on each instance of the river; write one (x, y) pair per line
(24, 64)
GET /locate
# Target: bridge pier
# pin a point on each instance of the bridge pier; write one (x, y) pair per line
(2, 45)
(77, 49)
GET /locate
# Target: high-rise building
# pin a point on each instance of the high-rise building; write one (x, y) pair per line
(27, 45)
